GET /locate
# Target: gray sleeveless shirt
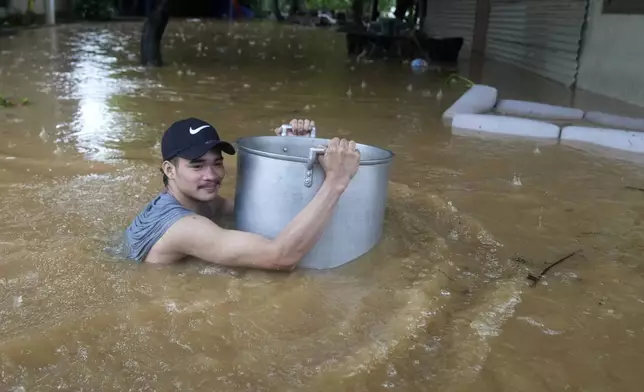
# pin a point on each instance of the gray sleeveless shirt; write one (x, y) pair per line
(151, 223)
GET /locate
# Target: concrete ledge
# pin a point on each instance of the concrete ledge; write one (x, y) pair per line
(476, 112)
(611, 120)
(515, 126)
(538, 110)
(619, 139)
(478, 99)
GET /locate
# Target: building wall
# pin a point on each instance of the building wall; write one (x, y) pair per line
(612, 57)
(539, 35)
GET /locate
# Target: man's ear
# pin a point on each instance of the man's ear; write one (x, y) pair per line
(169, 169)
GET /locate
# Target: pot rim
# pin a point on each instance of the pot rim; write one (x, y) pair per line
(363, 162)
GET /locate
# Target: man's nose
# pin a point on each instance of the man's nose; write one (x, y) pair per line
(210, 173)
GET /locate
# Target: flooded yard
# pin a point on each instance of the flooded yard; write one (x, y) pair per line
(442, 303)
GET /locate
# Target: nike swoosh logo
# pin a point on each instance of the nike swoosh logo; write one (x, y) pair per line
(195, 131)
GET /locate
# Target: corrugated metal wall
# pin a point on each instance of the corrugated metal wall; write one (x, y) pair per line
(542, 36)
(451, 18)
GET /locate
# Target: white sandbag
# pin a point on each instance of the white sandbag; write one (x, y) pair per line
(478, 99)
(515, 126)
(611, 120)
(537, 110)
(612, 138)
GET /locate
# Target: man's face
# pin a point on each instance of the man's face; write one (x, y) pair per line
(200, 178)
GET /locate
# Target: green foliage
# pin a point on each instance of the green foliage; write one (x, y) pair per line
(94, 9)
(9, 102)
(329, 4)
(345, 5)
(456, 78)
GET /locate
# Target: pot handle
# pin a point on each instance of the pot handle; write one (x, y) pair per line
(313, 156)
(288, 127)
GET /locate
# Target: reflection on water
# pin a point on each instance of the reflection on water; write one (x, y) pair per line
(441, 303)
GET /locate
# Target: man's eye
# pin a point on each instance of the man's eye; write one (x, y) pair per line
(197, 166)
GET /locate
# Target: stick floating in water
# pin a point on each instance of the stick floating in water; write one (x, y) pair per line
(453, 78)
(536, 279)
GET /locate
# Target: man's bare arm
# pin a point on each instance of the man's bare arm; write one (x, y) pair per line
(199, 237)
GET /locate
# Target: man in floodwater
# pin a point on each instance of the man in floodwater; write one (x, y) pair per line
(180, 221)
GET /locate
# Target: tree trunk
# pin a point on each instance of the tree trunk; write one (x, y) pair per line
(276, 10)
(357, 6)
(153, 29)
(422, 10)
(375, 11)
(295, 7)
(402, 6)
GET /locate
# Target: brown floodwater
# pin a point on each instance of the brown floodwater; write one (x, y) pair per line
(441, 303)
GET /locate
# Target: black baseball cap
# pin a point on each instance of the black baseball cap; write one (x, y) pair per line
(191, 138)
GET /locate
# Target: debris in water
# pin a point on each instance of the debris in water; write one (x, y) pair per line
(453, 78)
(539, 325)
(419, 66)
(391, 370)
(519, 259)
(361, 55)
(9, 102)
(364, 84)
(410, 87)
(536, 151)
(634, 188)
(439, 95)
(349, 92)
(536, 279)
(516, 180)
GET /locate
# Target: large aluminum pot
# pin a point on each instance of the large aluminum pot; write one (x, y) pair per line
(278, 176)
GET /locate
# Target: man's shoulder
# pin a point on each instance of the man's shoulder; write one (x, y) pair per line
(180, 239)
(151, 224)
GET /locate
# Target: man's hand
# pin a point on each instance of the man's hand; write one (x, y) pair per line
(340, 161)
(300, 128)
